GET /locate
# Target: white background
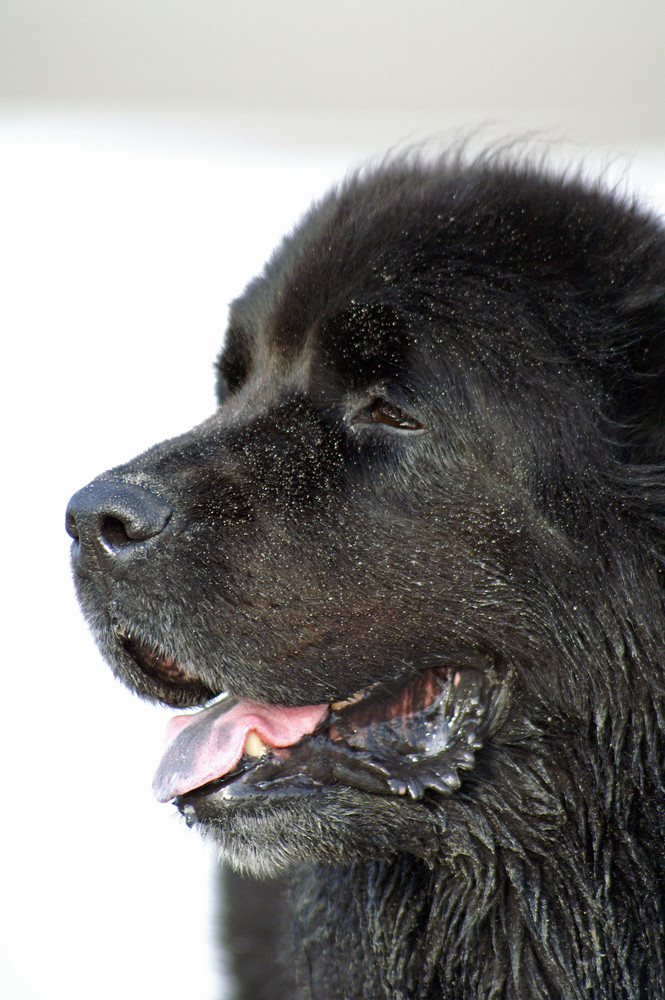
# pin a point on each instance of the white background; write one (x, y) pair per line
(151, 155)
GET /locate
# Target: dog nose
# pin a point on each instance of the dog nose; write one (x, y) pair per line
(110, 519)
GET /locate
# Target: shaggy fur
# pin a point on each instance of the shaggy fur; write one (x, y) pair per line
(510, 516)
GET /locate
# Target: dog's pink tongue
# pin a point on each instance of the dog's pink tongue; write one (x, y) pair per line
(206, 745)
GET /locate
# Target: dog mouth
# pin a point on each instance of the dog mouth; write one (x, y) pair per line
(415, 739)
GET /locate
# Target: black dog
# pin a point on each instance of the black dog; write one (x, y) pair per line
(427, 521)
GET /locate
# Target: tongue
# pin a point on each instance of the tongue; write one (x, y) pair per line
(208, 744)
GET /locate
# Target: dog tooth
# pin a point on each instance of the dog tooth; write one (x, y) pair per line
(222, 696)
(254, 745)
(189, 812)
(336, 706)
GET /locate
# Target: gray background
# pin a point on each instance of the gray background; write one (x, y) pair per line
(594, 68)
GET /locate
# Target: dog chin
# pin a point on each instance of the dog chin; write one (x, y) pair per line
(264, 837)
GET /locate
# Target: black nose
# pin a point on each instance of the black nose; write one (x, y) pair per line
(112, 519)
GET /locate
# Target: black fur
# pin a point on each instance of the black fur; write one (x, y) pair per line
(518, 320)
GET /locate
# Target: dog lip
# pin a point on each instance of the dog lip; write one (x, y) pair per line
(167, 679)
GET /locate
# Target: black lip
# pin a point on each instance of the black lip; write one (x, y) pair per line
(416, 756)
(161, 675)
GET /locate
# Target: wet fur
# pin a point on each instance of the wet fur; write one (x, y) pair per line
(523, 318)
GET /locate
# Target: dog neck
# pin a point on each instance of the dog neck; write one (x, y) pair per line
(549, 899)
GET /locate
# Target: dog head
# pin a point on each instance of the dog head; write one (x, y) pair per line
(399, 542)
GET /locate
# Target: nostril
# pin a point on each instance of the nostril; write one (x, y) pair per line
(70, 525)
(114, 533)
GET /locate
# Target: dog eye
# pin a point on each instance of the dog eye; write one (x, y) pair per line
(383, 412)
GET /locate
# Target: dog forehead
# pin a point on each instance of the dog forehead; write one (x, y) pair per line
(360, 343)
(339, 283)
(356, 333)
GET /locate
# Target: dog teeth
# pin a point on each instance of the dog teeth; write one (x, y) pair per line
(336, 706)
(222, 696)
(254, 745)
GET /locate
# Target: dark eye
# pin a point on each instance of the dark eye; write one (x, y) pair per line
(383, 412)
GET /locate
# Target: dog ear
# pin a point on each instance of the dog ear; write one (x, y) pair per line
(640, 394)
(636, 383)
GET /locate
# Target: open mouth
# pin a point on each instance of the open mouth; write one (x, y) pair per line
(412, 740)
